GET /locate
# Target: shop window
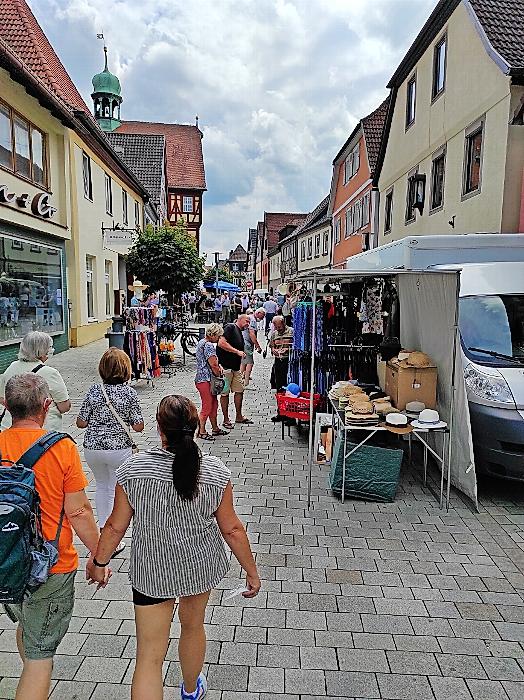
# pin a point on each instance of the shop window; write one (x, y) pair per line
(411, 101)
(187, 205)
(337, 231)
(473, 159)
(352, 164)
(365, 209)
(86, 174)
(437, 180)
(108, 269)
(30, 289)
(325, 247)
(90, 291)
(349, 222)
(388, 211)
(439, 67)
(6, 138)
(109, 193)
(317, 245)
(22, 146)
(125, 219)
(309, 248)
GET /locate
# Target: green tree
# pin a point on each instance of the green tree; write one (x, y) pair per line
(166, 258)
(223, 274)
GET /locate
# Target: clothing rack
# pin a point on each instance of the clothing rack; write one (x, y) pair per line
(140, 342)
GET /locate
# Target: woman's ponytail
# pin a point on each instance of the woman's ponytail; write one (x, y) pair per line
(177, 419)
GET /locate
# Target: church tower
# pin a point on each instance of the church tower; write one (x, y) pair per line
(106, 98)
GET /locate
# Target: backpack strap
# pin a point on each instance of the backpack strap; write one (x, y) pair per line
(33, 454)
(37, 368)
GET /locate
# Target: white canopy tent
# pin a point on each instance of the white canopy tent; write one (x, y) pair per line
(428, 322)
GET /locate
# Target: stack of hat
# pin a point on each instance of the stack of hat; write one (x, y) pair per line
(361, 413)
(383, 406)
(417, 360)
(413, 408)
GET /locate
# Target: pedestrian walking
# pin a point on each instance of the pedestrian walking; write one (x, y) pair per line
(109, 411)
(280, 344)
(207, 365)
(226, 308)
(251, 344)
(245, 302)
(181, 504)
(217, 308)
(44, 615)
(35, 349)
(230, 352)
(192, 304)
(270, 306)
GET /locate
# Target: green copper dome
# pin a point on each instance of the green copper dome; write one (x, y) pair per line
(106, 81)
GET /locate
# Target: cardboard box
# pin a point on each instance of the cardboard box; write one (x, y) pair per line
(406, 384)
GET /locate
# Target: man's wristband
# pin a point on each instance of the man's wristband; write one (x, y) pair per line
(97, 563)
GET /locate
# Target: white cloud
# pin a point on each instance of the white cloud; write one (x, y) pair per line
(278, 84)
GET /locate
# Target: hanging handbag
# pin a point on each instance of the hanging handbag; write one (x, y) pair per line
(110, 406)
(218, 384)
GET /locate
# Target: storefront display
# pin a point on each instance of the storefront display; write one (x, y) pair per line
(31, 288)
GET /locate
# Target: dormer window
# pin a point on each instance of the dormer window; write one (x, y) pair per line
(352, 164)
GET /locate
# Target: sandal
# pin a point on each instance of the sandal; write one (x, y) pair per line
(245, 421)
(228, 425)
(206, 436)
(219, 432)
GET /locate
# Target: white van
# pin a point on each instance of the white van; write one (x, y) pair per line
(491, 324)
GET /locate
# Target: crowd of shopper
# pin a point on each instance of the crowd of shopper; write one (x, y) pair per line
(186, 496)
(180, 502)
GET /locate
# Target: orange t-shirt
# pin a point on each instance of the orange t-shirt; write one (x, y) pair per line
(57, 472)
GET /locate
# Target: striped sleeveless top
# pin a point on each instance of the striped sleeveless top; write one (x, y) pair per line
(177, 548)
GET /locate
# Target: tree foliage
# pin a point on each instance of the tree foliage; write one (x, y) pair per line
(166, 259)
(223, 274)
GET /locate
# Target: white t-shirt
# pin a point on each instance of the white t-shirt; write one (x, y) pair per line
(270, 306)
(57, 390)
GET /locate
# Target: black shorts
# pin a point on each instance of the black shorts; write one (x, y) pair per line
(141, 599)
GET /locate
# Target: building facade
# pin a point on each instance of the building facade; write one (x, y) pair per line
(60, 274)
(452, 160)
(237, 265)
(353, 201)
(273, 225)
(313, 239)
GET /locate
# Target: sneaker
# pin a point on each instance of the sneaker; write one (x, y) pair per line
(200, 692)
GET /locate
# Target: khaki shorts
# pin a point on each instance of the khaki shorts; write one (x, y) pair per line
(249, 359)
(45, 616)
(235, 381)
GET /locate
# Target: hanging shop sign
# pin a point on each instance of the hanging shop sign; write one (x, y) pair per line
(119, 237)
(39, 204)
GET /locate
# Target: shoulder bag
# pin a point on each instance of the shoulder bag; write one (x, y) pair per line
(217, 383)
(125, 427)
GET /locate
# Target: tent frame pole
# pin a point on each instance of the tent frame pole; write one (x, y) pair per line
(312, 390)
(453, 389)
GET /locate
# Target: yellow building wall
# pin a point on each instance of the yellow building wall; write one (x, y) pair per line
(475, 86)
(87, 218)
(18, 99)
(320, 261)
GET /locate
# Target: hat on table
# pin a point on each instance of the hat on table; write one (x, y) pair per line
(429, 419)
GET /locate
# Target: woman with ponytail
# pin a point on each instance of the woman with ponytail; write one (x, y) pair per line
(181, 504)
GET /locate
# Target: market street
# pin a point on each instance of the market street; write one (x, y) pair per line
(359, 600)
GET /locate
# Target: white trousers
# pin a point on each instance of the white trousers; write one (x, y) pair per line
(103, 464)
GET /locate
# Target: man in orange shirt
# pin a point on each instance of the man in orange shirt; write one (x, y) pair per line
(45, 615)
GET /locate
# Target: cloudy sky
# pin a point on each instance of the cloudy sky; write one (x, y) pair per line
(278, 84)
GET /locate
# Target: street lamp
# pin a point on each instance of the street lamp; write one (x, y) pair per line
(217, 256)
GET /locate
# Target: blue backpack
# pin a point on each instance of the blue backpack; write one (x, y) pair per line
(25, 557)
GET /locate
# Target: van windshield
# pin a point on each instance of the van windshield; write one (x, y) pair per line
(495, 324)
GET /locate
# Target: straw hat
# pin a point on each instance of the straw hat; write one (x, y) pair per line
(397, 423)
(418, 360)
(365, 407)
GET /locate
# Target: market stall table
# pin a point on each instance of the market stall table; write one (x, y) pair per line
(419, 433)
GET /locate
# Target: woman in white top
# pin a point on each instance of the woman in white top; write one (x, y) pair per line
(35, 349)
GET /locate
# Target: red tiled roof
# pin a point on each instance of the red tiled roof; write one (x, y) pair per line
(21, 31)
(238, 255)
(276, 222)
(503, 22)
(185, 160)
(373, 127)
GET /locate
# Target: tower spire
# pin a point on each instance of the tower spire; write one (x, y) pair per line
(106, 69)
(106, 96)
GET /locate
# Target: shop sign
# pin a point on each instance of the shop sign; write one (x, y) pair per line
(123, 237)
(40, 204)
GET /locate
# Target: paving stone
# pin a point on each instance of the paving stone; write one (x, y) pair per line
(277, 656)
(364, 640)
(446, 688)
(351, 685)
(227, 677)
(238, 654)
(71, 690)
(486, 690)
(365, 660)
(266, 680)
(404, 687)
(318, 658)
(415, 662)
(422, 642)
(305, 681)
(104, 645)
(460, 666)
(500, 669)
(388, 624)
(105, 670)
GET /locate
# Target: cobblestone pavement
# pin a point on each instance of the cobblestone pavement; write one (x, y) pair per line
(360, 600)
